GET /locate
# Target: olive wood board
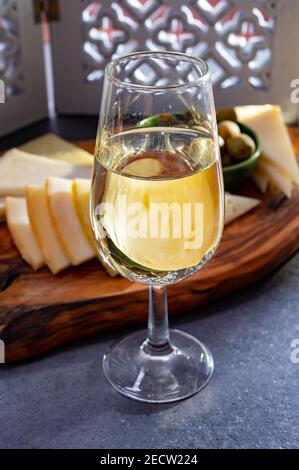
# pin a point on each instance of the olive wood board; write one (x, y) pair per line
(39, 311)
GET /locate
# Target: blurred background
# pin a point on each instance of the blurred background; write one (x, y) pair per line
(53, 54)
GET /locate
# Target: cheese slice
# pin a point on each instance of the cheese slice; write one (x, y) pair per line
(260, 179)
(281, 180)
(22, 233)
(52, 146)
(81, 194)
(66, 220)
(267, 122)
(19, 169)
(43, 228)
(236, 206)
(2, 209)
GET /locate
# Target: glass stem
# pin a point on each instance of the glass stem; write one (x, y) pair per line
(158, 332)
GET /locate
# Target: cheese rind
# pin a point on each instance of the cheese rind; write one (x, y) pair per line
(52, 146)
(267, 122)
(236, 206)
(81, 194)
(66, 220)
(2, 209)
(22, 233)
(19, 169)
(261, 180)
(43, 228)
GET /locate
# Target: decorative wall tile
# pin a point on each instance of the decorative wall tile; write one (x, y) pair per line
(234, 37)
(10, 49)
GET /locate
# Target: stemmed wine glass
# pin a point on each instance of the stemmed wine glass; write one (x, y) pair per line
(157, 209)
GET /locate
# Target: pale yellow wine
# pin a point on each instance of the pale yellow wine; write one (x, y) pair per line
(157, 201)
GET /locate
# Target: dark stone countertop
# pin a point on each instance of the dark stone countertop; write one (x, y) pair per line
(63, 400)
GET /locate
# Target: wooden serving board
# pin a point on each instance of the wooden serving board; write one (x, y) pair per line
(39, 311)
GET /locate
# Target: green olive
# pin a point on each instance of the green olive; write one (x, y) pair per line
(226, 160)
(226, 114)
(228, 129)
(240, 147)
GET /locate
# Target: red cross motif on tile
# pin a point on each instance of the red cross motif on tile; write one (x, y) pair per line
(247, 37)
(176, 36)
(107, 33)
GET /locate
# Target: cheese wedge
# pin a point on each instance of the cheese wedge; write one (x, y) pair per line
(52, 146)
(2, 209)
(43, 228)
(260, 179)
(249, 111)
(236, 206)
(267, 122)
(81, 195)
(19, 169)
(276, 176)
(22, 233)
(66, 220)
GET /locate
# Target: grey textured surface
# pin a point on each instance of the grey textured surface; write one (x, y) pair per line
(63, 400)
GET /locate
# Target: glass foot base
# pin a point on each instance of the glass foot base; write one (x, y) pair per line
(148, 376)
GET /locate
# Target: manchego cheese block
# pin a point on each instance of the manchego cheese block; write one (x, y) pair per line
(22, 233)
(236, 206)
(43, 228)
(267, 122)
(20, 169)
(52, 146)
(66, 220)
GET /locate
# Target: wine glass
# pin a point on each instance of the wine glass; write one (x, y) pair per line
(157, 209)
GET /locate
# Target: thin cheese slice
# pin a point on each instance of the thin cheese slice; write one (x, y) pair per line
(261, 180)
(276, 176)
(2, 209)
(19, 169)
(236, 206)
(43, 228)
(52, 146)
(22, 233)
(81, 194)
(267, 122)
(66, 220)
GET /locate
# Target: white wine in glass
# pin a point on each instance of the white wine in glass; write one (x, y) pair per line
(157, 210)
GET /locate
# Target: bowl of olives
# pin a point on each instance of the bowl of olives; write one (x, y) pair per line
(239, 147)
